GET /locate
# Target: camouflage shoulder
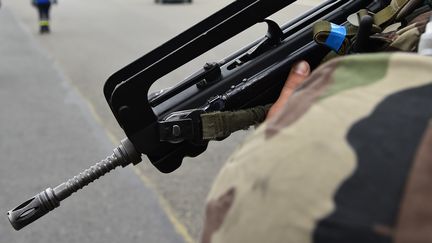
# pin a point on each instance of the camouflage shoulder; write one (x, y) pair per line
(348, 135)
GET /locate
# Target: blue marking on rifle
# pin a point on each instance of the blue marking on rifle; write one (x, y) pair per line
(336, 37)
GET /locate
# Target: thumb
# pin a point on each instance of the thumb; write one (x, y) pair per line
(299, 72)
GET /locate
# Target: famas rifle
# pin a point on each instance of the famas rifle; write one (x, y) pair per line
(167, 126)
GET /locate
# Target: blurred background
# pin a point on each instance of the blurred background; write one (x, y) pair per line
(55, 121)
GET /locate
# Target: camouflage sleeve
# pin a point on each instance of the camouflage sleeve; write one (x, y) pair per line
(347, 160)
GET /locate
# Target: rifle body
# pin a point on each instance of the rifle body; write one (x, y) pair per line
(252, 76)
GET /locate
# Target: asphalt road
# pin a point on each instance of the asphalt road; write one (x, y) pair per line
(48, 134)
(89, 41)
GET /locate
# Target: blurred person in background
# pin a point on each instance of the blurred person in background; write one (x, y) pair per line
(43, 7)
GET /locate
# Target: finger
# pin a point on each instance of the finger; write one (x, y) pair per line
(299, 72)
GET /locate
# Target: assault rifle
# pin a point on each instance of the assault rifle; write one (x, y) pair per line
(167, 126)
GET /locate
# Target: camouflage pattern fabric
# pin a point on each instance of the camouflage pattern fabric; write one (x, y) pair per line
(349, 159)
(404, 39)
(403, 35)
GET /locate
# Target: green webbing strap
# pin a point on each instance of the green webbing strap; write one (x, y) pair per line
(396, 10)
(363, 12)
(392, 11)
(217, 125)
(323, 32)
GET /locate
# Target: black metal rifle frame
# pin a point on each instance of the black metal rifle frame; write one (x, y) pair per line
(126, 90)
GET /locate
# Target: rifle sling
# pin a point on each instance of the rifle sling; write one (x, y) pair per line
(217, 125)
(326, 33)
(395, 10)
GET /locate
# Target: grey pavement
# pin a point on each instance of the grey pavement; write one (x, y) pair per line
(47, 135)
(93, 39)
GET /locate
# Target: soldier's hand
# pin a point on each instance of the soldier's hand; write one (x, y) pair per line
(299, 72)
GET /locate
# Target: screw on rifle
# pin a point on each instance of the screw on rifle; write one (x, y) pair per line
(176, 130)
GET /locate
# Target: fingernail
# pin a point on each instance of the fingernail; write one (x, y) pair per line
(301, 68)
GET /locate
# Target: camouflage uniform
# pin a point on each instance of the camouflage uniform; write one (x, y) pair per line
(348, 159)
